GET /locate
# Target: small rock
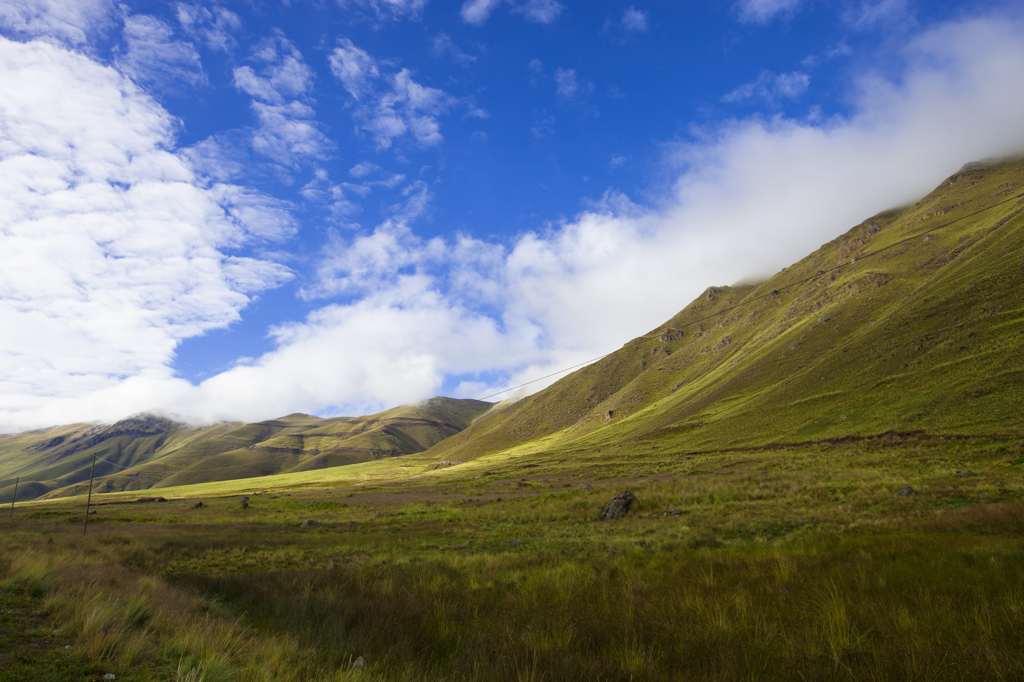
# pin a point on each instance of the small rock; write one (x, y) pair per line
(197, 505)
(588, 487)
(964, 474)
(672, 511)
(310, 523)
(905, 490)
(619, 506)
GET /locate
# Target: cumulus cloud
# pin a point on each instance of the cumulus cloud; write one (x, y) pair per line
(753, 196)
(354, 67)
(443, 46)
(477, 12)
(288, 132)
(763, 11)
(388, 10)
(771, 88)
(633, 20)
(71, 21)
(214, 25)
(540, 11)
(153, 58)
(417, 314)
(568, 87)
(113, 249)
(872, 14)
(395, 105)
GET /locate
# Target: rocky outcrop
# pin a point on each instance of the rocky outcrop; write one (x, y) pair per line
(619, 506)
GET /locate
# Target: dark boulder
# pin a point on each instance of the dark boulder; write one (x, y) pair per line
(619, 506)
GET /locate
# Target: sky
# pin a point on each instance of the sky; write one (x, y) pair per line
(243, 210)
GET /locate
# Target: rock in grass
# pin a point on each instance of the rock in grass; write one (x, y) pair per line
(964, 474)
(905, 490)
(310, 523)
(619, 506)
(672, 511)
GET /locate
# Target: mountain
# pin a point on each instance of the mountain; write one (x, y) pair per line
(912, 321)
(147, 451)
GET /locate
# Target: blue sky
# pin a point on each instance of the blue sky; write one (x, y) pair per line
(241, 210)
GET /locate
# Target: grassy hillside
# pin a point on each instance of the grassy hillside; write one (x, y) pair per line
(145, 451)
(876, 331)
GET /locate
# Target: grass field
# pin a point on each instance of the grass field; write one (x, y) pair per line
(828, 467)
(788, 563)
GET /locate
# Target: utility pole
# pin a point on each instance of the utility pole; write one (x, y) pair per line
(15, 496)
(88, 500)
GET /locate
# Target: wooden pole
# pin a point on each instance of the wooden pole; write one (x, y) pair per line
(88, 500)
(15, 496)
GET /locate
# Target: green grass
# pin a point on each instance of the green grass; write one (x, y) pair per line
(795, 561)
(793, 555)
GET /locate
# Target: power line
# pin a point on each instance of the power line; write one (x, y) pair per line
(774, 292)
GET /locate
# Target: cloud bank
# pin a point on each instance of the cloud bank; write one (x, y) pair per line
(114, 249)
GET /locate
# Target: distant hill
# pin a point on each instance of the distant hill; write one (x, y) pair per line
(910, 323)
(146, 451)
(926, 336)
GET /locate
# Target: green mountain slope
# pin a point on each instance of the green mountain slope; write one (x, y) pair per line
(925, 335)
(146, 451)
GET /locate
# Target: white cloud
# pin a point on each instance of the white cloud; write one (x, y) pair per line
(404, 108)
(321, 190)
(772, 87)
(442, 46)
(634, 20)
(617, 161)
(565, 83)
(361, 170)
(214, 26)
(354, 67)
(113, 250)
(285, 74)
(763, 11)
(567, 87)
(288, 132)
(540, 11)
(389, 10)
(477, 12)
(752, 195)
(869, 15)
(751, 198)
(155, 59)
(68, 20)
